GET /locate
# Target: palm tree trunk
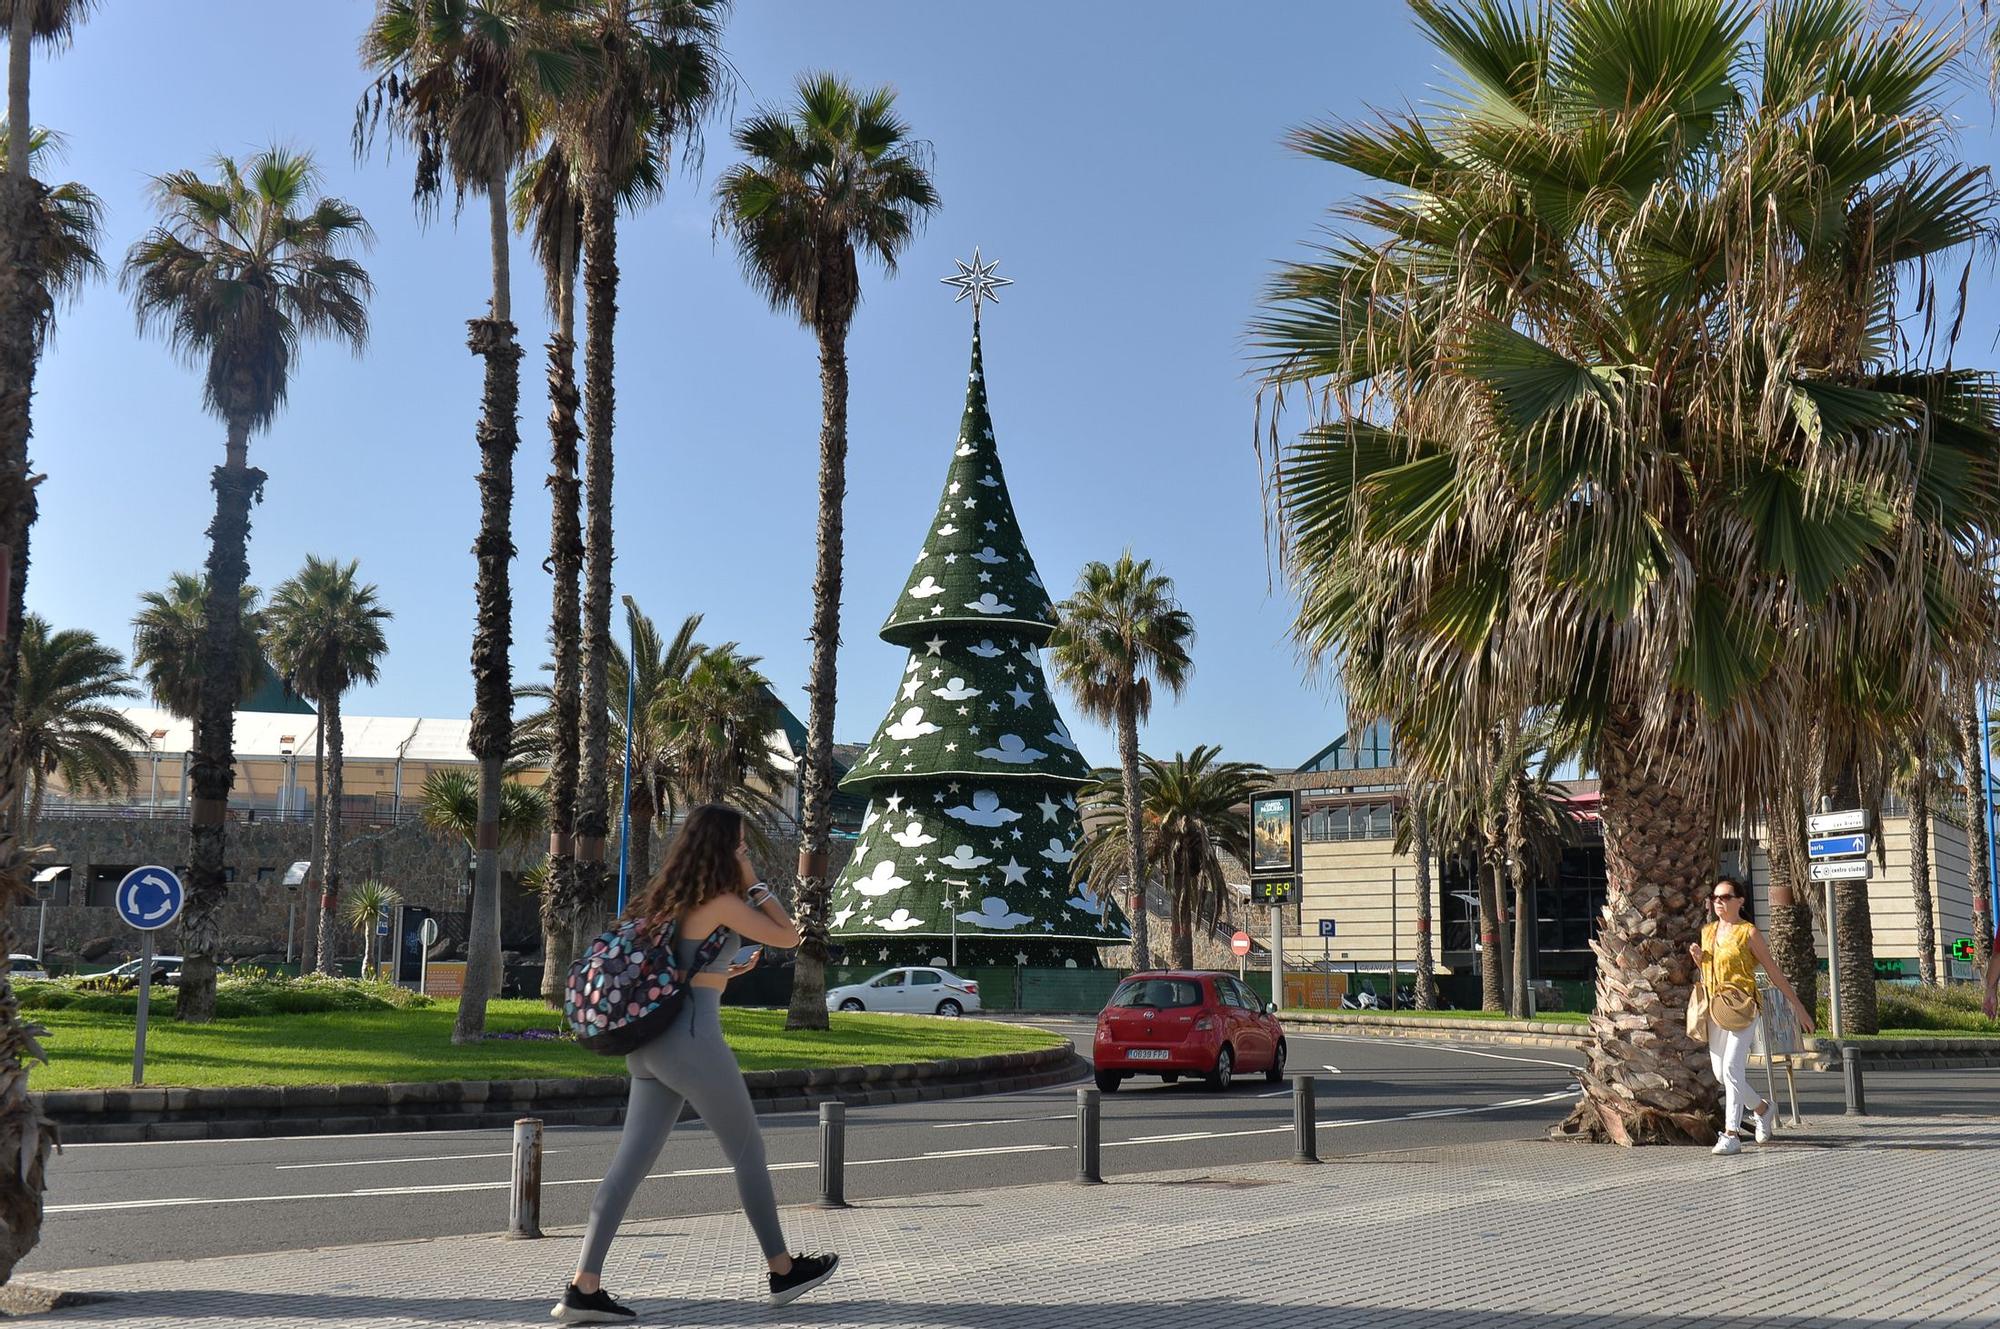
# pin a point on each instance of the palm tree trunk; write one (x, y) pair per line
(1524, 919)
(19, 129)
(600, 285)
(317, 875)
(639, 863)
(1183, 898)
(492, 691)
(1857, 930)
(329, 845)
(808, 1009)
(1427, 993)
(1791, 923)
(1492, 976)
(1135, 838)
(1920, 866)
(561, 905)
(237, 484)
(33, 824)
(1977, 870)
(1644, 1080)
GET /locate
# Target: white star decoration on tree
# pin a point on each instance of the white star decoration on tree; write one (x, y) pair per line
(977, 280)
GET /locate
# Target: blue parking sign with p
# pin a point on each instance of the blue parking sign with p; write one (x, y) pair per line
(149, 898)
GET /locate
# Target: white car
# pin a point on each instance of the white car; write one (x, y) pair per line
(166, 969)
(26, 966)
(917, 990)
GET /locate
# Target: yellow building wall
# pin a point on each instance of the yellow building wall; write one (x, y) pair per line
(1369, 890)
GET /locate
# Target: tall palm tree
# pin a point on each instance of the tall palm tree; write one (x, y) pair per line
(654, 72)
(324, 634)
(719, 726)
(1978, 815)
(548, 204)
(169, 633)
(1621, 418)
(25, 301)
(71, 227)
(240, 271)
(833, 177)
(459, 79)
(67, 715)
(1118, 635)
(1192, 820)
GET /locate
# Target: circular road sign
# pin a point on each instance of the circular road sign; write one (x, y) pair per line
(149, 898)
(427, 932)
(1240, 943)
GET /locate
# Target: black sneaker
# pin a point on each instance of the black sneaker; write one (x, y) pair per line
(808, 1272)
(590, 1308)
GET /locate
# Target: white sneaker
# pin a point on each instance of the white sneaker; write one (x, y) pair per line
(1763, 1120)
(1727, 1144)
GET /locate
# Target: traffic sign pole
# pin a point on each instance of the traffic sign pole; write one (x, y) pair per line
(145, 997)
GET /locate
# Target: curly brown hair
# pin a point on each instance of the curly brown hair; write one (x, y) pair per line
(700, 865)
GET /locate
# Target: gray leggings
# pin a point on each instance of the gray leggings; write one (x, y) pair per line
(689, 1063)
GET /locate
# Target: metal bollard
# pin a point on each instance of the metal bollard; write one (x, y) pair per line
(1850, 1071)
(1089, 1109)
(524, 1197)
(1305, 1123)
(833, 1155)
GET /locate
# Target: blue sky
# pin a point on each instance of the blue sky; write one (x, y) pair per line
(1121, 159)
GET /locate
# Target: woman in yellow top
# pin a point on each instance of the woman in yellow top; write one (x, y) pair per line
(1729, 952)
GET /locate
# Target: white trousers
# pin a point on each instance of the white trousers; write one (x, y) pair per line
(1729, 1058)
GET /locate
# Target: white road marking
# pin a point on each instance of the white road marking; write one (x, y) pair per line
(449, 1188)
(374, 1162)
(1000, 1121)
(1453, 1047)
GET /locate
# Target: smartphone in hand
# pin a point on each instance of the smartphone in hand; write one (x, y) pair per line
(749, 955)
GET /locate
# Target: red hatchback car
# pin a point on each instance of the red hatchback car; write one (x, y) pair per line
(1176, 1022)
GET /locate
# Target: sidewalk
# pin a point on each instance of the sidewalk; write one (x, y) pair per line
(1882, 1221)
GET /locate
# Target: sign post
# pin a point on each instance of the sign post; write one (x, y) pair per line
(1240, 943)
(427, 932)
(148, 899)
(1274, 866)
(1838, 848)
(295, 876)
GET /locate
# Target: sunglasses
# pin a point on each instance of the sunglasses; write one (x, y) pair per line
(1725, 896)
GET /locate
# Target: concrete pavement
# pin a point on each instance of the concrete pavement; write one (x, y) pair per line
(1885, 1221)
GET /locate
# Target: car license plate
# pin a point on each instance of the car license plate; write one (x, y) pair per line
(1146, 1054)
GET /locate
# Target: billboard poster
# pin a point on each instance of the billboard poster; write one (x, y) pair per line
(1273, 830)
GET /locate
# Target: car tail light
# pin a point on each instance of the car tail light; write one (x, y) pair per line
(1204, 1024)
(973, 988)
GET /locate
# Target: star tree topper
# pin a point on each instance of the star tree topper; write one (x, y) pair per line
(977, 280)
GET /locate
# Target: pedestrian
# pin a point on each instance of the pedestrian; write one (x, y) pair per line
(706, 885)
(1728, 954)
(1992, 1003)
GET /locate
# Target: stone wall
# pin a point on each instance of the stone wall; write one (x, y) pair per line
(424, 868)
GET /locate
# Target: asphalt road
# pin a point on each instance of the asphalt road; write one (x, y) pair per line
(121, 1203)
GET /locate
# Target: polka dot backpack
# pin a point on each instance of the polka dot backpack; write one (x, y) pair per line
(627, 989)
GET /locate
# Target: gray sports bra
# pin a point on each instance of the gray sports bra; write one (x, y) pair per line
(686, 946)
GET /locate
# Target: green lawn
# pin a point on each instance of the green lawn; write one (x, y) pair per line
(92, 1050)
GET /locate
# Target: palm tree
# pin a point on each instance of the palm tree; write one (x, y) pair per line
(548, 205)
(371, 899)
(1593, 442)
(170, 631)
(71, 225)
(1191, 818)
(720, 726)
(1978, 815)
(66, 713)
(451, 804)
(240, 271)
(459, 79)
(25, 301)
(654, 71)
(1413, 837)
(324, 635)
(835, 176)
(1118, 635)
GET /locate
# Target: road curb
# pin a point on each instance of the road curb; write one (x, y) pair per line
(1506, 1033)
(125, 1116)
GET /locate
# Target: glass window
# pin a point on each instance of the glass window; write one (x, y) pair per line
(1159, 993)
(893, 979)
(925, 978)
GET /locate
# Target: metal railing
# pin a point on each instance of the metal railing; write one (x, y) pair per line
(141, 810)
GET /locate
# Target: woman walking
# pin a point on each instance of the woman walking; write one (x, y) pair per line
(706, 885)
(1729, 952)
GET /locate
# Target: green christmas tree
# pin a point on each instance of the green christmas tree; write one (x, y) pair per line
(972, 775)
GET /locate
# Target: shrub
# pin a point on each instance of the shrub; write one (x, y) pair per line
(240, 993)
(1951, 1008)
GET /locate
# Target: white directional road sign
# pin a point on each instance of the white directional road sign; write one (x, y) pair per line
(1851, 869)
(149, 898)
(1833, 823)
